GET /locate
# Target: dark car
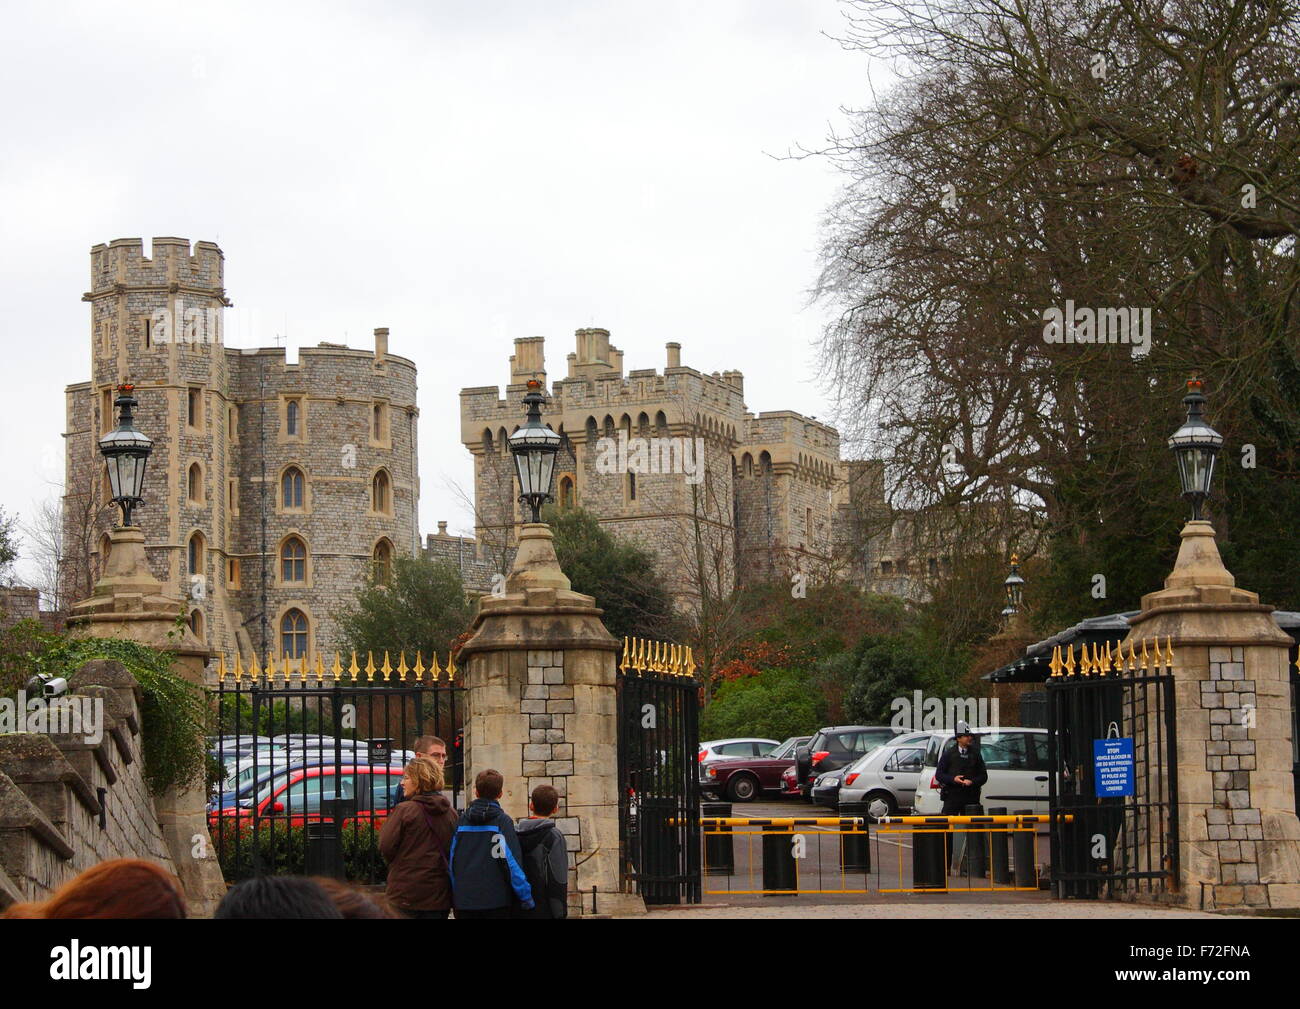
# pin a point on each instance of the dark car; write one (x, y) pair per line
(741, 779)
(836, 746)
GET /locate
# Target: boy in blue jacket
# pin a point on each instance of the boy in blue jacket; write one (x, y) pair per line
(487, 874)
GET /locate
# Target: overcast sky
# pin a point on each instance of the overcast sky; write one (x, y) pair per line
(464, 173)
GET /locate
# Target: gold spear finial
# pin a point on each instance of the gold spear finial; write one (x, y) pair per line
(1069, 660)
(1055, 664)
(622, 665)
(1169, 651)
(1143, 664)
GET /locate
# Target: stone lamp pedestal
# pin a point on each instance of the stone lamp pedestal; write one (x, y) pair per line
(540, 676)
(1239, 843)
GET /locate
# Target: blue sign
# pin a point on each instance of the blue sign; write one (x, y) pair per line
(1113, 766)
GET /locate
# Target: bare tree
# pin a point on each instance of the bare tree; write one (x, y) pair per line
(44, 535)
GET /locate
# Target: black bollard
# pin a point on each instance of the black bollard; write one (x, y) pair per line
(929, 859)
(977, 853)
(780, 873)
(1024, 854)
(719, 849)
(855, 845)
(999, 855)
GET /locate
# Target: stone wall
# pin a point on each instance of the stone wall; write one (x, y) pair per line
(67, 803)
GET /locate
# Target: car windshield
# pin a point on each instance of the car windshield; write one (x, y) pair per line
(786, 749)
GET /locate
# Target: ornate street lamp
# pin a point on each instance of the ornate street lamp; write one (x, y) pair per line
(534, 446)
(1195, 445)
(1014, 586)
(126, 451)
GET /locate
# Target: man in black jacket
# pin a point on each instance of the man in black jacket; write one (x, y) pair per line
(961, 772)
(487, 874)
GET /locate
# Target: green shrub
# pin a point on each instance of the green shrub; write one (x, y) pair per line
(277, 849)
(775, 703)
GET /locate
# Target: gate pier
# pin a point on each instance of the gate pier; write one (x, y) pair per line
(540, 677)
(1239, 839)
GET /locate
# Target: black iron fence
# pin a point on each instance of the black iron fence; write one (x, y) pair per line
(1114, 751)
(307, 760)
(658, 742)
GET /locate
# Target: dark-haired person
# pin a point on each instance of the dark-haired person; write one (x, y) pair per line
(277, 897)
(119, 888)
(426, 748)
(352, 902)
(416, 843)
(487, 875)
(546, 858)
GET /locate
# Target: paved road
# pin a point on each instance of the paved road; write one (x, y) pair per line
(931, 906)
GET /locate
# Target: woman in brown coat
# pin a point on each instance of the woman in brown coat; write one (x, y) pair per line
(416, 843)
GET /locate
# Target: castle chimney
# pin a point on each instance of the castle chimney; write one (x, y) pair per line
(674, 355)
(381, 343)
(442, 530)
(529, 360)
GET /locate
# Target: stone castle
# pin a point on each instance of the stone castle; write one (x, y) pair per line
(273, 488)
(770, 500)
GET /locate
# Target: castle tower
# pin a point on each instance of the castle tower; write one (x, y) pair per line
(156, 320)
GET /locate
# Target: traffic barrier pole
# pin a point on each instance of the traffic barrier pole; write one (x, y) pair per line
(779, 871)
(977, 855)
(1024, 854)
(999, 855)
(720, 848)
(855, 849)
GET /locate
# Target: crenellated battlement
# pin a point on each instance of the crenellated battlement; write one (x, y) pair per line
(170, 264)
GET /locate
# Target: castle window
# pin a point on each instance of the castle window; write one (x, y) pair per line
(194, 484)
(747, 465)
(631, 486)
(195, 554)
(232, 423)
(886, 567)
(379, 422)
(643, 426)
(196, 624)
(765, 464)
(381, 497)
(291, 409)
(661, 423)
(232, 572)
(293, 560)
(106, 411)
(291, 488)
(147, 334)
(566, 492)
(807, 524)
(487, 440)
(293, 634)
(232, 495)
(194, 408)
(934, 567)
(383, 562)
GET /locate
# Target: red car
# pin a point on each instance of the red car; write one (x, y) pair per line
(742, 779)
(294, 797)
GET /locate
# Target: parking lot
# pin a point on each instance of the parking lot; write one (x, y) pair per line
(819, 870)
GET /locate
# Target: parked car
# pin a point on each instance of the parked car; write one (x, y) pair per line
(1017, 763)
(790, 781)
(749, 746)
(826, 789)
(294, 796)
(741, 779)
(888, 773)
(834, 747)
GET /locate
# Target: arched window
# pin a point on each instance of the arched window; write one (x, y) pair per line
(383, 561)
(765, 464)
(195, 552)
(487, 439)
(196, 623)
(378, 424)
(381, 496)
(566, 492)
(661, 423)
(291, 418)
(503, 442)
(293, 560)
(291, 488)
(194, 485)
(746, 465)
(293, 634)
(591, 430)
(643, 426)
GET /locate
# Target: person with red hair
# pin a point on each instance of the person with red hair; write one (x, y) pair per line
(119, 888)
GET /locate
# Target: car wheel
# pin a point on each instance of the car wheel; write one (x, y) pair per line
(884, 797)
(742, 788)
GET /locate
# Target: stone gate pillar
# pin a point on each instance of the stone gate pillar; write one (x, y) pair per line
(1239, 839)
(129, 602)
(542, 709)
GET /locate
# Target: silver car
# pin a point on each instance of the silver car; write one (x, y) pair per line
(889, 773)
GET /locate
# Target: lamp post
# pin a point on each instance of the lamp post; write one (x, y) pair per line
(126, 451)
(534, 446)
(1195, 446)
(1014, 586)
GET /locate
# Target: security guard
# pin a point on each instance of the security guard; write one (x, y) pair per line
(961, 772)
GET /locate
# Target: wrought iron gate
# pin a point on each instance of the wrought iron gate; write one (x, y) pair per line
(658, 741)
(1123, 838)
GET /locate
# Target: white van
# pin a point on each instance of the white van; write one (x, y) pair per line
(1017, 762)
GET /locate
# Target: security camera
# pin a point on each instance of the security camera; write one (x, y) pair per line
(56, 686)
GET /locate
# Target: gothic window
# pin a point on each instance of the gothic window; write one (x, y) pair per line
(293, 560)
(291, 488)
(566, 492)
(383, 561)
(379, 422)
(293, 634)
(381, 494)
(291, 409)
(194, 408)
(194, 484)
(195, 554)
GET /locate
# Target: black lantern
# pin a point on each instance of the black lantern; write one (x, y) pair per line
(1195, 445)
(534, 446)
(126, 451)
(1014, 586)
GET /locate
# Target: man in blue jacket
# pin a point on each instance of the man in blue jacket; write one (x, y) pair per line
(487, 875)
